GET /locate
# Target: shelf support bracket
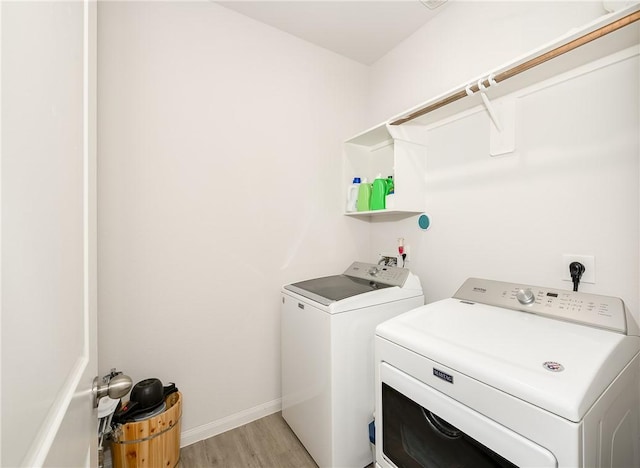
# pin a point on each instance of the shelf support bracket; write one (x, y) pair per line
(487, 103)
(503, 140)
(501, 131)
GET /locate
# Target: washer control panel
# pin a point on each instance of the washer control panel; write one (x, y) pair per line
(380, 274)
(588, 309)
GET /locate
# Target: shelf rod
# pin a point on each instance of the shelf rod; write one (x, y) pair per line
(563, 49)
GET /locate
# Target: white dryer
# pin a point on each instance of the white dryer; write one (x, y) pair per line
(328, 328)
(505, 375)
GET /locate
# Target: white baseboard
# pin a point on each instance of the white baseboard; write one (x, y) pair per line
(191, 436)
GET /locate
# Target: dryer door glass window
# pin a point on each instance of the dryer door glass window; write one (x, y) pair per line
(414, 437)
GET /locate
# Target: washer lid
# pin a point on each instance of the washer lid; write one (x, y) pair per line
(560, 366)
(334, 288)
(359, 278)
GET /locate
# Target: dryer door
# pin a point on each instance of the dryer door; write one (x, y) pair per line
(422, 427)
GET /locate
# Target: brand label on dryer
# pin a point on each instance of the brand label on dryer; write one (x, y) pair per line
(553, 366)
(443, 375)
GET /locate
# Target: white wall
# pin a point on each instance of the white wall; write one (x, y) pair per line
(466, 39)
(219, 181)
(219, 163)
(571, 186)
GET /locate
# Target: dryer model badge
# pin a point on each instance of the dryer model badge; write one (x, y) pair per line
(443, 375)
(553, 366)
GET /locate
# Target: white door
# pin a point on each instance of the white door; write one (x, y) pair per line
(48, 222)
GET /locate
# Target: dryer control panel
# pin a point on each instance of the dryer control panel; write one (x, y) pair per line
(392, 276)
(588, 309)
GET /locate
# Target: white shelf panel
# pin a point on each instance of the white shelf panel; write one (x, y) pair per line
(381, 212)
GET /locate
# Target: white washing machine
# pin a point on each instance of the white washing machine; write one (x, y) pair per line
(328, 328)
(509, 375)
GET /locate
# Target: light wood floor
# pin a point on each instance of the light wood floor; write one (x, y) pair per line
(265, 443)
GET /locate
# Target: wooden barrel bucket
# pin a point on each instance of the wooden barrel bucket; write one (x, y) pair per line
(152, 443)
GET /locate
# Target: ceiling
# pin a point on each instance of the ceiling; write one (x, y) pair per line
(362, 30)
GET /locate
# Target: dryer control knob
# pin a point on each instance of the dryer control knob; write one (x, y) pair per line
(525, 296)
(373, 271)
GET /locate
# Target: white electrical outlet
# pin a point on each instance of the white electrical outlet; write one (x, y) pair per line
(589, 262)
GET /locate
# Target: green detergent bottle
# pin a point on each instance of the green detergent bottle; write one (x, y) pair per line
(390, 186)
(378, 193)
(364, 196)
